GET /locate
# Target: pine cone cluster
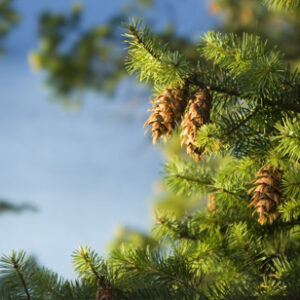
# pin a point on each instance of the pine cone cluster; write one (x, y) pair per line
(197, 114)
(266, 194)
(167, 110)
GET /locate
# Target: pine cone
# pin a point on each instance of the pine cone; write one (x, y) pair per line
(105, 294)
(212, 203)
(167, 108)
(266, 194)
(198, 113)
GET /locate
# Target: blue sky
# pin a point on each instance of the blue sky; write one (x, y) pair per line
(86, 171)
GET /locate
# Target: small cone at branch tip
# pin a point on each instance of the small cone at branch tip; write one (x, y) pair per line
(167, 110)
(197, 114)
(212, 203)
(266, 194)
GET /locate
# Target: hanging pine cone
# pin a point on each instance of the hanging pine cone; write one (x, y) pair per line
(266, 194)
(167, 108)
(198, 113)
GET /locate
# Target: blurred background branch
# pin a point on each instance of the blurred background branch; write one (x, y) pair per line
(6, 206)
(9, 18)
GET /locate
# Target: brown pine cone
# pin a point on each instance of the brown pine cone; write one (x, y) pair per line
(266, 194)
(167, 110)
(212, 203)
(197, 114)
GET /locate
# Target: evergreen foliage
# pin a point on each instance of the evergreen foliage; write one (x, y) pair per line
(97, 60)
(88, 61)
(9, 18)
(94, 56)
(276, 20)
(152, 59)
(283, 4)
(220, 251)
(6, 206)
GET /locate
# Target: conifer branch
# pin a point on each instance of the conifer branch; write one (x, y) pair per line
(13, 266)
(18, 271)
(181, 228)
(243, 122)
(88, 264)
(166, 275)
(193, 179)
(287, 5)
(208, 184)
(291, 212)
(172, 277)
(93, 269)
(291, 106)
(289, 138)
(245, 58)
(149, 57)
(224, 91)
(219, 251)
(133, 30)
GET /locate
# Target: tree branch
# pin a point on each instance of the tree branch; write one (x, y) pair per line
(243, 122)
(98, 276)
(208, 184)
(295, 107)
(17, 268)
(138, 39)
(172, 277)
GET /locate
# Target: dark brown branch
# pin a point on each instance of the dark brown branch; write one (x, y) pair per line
(224, 91)
(243, 122)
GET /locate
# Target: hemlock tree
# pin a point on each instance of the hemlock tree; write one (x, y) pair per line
(238, 106)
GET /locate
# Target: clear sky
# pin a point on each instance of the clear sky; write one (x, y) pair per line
(86, 171)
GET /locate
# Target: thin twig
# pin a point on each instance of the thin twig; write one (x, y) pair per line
(186, 284)
(243, 122)
(208, 185)
(133, 31)
(99, 277)
(17, 268)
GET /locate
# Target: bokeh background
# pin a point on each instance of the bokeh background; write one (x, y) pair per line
(76, 167)
(84, 164)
